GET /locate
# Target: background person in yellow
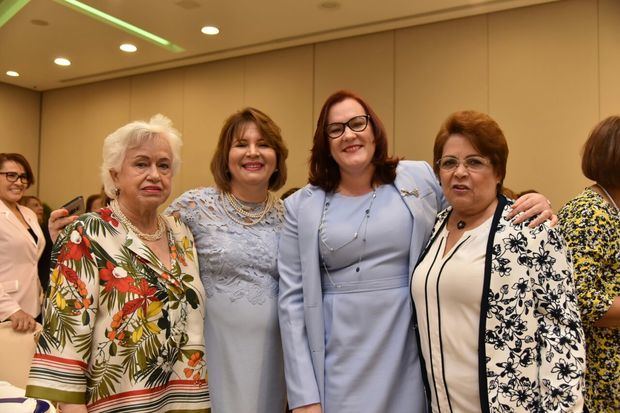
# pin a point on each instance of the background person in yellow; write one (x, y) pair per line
(591, 226)
(123, 321)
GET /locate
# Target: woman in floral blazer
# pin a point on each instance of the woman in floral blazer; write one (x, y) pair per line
(495, 303)
(123, 321)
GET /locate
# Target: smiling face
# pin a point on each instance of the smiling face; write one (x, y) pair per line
(145, 176)
(11, 192)
(469, 192)
(251, 161)
(352, 151)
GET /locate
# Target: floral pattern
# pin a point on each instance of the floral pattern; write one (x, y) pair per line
(532, 342)
(121, 331)
(591, 227)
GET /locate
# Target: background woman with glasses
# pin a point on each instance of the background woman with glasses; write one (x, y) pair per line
(495, 302)
(350, 240)
(21, 245)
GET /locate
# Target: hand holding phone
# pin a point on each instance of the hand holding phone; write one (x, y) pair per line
(75, 206)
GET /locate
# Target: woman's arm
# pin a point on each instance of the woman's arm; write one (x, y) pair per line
(299, 373)
(586, 230)
(69, 316)
(560, 336)
(611, 319)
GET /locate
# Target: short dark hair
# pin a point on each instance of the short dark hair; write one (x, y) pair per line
(601, 153)
(232, 129)
(91, 200)
(324, 171)
(482, 132)
(20, 159)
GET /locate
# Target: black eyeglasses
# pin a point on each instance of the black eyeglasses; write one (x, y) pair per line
(356, 124)
(14, 176)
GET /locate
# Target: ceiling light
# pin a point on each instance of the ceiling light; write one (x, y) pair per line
(12, 73)
(61, 61)
(329, 5)
(128, 47)
(210, 30)
(120, 24)
(9, 8)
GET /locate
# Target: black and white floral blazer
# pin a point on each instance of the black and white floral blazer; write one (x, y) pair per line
(531, 343)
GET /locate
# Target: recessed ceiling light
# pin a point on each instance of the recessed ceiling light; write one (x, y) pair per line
(61, 61)
(329, 5)
(210, 30)
(12, 73)
(120, 24)
(128, 47)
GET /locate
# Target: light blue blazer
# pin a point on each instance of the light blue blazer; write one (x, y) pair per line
(301, 299)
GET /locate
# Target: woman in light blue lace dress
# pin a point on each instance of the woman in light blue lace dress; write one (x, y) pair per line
(236, 228)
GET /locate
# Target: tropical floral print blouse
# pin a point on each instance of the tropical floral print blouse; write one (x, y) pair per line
(591, 227)
(121, 332)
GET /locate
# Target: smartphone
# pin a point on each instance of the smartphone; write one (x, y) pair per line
(75, 206)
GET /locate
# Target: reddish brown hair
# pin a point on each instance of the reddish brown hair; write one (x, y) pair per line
(482, 132)
(20, 159)
(232, 129)
(324, 171)
(601, 153)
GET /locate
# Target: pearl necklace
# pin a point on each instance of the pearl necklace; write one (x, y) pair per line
(609, 196)
(161, 224)
(251, 218)
(322, 235)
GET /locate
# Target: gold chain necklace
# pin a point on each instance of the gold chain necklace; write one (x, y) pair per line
(161, 224)
(252, 218)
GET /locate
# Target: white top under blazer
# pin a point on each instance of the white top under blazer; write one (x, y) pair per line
(20, 288)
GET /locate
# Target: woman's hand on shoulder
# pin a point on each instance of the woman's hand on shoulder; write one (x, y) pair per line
(533, 205)
(311, 408)
(59, 219)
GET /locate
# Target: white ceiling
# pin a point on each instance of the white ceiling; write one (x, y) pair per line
(247, 26)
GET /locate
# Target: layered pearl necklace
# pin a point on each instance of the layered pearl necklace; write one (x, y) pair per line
(156, 236)
(356, 234)
(250, 218)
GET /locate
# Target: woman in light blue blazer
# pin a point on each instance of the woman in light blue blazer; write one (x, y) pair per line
(350, 240)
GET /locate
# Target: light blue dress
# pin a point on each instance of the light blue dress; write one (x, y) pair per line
(238, 270)
(371, 363)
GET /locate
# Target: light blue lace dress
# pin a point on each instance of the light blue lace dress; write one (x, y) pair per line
(238, 271)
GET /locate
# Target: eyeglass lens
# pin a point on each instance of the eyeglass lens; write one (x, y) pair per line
(356, 124)
(13, 176)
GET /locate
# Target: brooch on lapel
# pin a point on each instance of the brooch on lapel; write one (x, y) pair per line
(414, 192)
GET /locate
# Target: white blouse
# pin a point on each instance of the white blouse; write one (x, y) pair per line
(447, 292)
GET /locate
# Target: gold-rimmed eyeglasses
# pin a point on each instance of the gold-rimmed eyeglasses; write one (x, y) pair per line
(356, 124)
(473, 163)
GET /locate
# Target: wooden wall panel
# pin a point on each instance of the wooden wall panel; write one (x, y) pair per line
(211, 94)
(19, 123)
(280, 84)
(440, 68)
(544, 92)
(609, 63)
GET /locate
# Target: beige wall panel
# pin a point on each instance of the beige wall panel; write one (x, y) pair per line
(74, 123)
(544, 92)
(280, 84)
(363, 64)
(19, 123)
(212, 92)
(609, 49)
(160, 92)
(440, 68)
